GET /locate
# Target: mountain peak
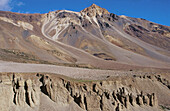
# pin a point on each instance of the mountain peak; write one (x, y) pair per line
(94, 5)
(94, 10)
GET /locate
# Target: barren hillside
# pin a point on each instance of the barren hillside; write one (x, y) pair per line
(91, 60)
(92, 37)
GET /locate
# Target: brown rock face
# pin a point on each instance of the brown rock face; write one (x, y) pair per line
(19, 91)
(94, 10)
(153, 34)
(21, 17)
(108, 95)
(26, 92)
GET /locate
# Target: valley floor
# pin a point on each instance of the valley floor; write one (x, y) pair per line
(73, 72)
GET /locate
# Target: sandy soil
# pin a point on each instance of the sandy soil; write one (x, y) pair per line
(79, 73)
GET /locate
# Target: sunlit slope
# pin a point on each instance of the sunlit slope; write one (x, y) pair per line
(92, 36)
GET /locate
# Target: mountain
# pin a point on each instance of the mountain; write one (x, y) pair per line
(118, 63)
(92, 37)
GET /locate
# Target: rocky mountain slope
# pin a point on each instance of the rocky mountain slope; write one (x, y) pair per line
(92, 37)
(49, 92)
(93, 42)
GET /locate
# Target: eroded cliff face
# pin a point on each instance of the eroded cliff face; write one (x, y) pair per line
(33, 91)
(26, 92)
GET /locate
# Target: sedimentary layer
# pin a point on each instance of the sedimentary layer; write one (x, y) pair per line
(41, 92)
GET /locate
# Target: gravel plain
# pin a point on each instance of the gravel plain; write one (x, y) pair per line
(73, 72)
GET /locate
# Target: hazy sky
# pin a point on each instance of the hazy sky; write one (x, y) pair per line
(154, 10)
